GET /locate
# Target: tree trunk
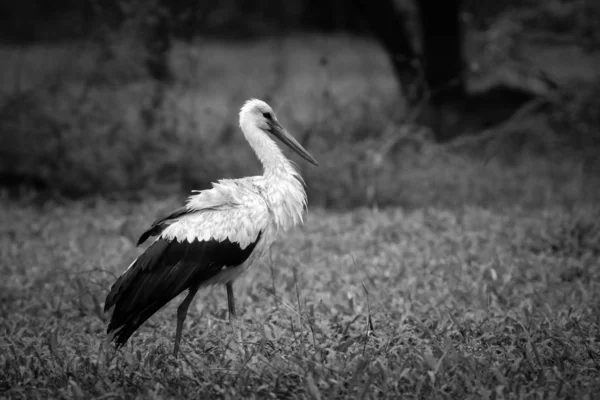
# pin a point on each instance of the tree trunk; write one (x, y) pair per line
(158, 44)
(388, 26)
(157, 40)
(442, 49)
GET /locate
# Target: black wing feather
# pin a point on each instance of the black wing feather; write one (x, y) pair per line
(163, 271)
(161, 223)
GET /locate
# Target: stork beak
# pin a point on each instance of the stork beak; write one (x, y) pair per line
(282, 134)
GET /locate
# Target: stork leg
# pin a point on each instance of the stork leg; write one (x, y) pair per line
(230, 301)
(233, 321)
(181, 314)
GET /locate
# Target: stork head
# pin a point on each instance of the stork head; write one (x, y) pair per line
(256, 114)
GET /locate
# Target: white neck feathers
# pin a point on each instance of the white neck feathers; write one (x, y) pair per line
(284, 185)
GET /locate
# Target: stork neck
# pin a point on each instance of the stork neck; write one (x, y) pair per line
(284, 187)
(275, 164)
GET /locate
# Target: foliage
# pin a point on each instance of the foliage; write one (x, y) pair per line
(430, 303)
(484, 285)
(80, 127)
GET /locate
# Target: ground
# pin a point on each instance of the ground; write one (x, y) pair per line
(429, 303)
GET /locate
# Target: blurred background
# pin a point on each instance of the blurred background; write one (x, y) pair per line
(408, 103)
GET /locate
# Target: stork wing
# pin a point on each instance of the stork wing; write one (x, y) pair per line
(197, 246)
(203, 201)
(161, 223)
(163, 271)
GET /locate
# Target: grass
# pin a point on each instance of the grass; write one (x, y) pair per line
(484, 284)
(429, 303)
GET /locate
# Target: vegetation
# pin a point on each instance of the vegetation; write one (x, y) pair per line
(78, 126)
(465, 269)
(430, 303)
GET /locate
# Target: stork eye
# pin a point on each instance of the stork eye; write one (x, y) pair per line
(267, 115)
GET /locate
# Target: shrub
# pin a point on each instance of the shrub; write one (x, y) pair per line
(85, 137)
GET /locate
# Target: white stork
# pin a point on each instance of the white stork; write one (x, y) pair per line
(216, 236)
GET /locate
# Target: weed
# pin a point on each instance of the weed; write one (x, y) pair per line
(429, 303)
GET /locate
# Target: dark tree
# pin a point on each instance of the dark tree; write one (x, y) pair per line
(387, 24)
(157, 40)
(442, 49)
(439, 71)
(156, 34)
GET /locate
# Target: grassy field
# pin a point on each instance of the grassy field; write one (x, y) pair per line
(480, 282)
(430, 303)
